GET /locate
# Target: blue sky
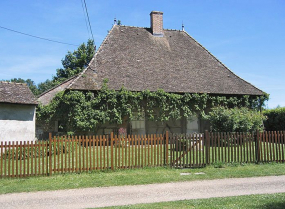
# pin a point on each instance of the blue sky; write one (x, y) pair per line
(248, 36)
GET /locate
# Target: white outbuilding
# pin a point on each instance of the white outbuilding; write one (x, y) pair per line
(17, 112)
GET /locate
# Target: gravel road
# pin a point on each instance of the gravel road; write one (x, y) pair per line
(125, 195)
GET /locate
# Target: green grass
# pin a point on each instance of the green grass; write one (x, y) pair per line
(136, 177)
(267, 201)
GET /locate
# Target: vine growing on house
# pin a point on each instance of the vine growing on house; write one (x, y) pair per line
(84, 111)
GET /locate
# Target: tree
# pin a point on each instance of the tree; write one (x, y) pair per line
(275, 120)
(75, 62)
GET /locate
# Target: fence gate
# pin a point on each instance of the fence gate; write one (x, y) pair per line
(187, 151)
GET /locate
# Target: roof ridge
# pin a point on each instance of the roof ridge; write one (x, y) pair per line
(9, 82)
(148, 28)
(56, 86)
(220, 61)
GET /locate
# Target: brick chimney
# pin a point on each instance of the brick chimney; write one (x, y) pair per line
(156, 23)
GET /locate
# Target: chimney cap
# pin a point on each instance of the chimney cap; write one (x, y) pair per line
(156, 12)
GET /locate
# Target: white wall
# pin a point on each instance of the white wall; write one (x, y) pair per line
(17, 122)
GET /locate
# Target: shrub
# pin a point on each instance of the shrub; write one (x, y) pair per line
(275, 119)
(223, 119)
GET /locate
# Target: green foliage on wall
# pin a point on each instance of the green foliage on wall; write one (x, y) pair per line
(275, 119)
(83, 111)
(238, 119)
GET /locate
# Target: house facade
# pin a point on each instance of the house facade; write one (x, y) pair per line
(155, 58)
(17, 112)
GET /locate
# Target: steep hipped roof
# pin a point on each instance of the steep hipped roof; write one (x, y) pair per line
(16, 93)
(132, 57)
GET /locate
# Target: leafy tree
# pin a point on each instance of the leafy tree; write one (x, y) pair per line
(236, 119)
(275, 120)
(75, 62)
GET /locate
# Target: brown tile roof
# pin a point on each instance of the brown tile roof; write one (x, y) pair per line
(132, 57)
(16, 93)
(48, 95)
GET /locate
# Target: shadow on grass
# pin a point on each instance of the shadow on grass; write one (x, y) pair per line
(276, 205)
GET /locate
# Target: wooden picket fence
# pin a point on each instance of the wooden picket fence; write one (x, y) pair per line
(88, 153)
(62, 154)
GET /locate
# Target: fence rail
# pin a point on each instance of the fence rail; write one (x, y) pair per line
(87, 153)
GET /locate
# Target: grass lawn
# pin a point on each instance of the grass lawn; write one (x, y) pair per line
(137, 176)
(267, 201)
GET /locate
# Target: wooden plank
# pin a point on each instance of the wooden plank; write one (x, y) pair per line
(186, 151)
(1, 162)
(9, 158)
(250, 147)
(161, 141)
(86, 145)
(50, 154)
(76, 154)
(200, 149)
(83, 143)
(13, 159)
(107, 152)
(5, 158)
(273, 145)
(61, 153)
(261, 147)
(79, 150)
(112, 151)
(282, 144)
(142, 151)
(135, 151)
(123, 150)
(270, 146)
(196, 147)
(104, 151)
(72, 158)
(116, 151)
(148, 150)
(65, 153)
(119, 151)
(145, 152)
(191, 158)
(212, 146)
(28, 158)
(278, 147)
(43, 158)
(47, 158)
(127, 145)
(20, 168)
(93, 151)
(97, 151)
(16, 158)
(154, 149)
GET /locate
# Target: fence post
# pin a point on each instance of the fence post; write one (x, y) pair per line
(207, 147)
(166, 149)
(112, 153)
(257, 151)
(50, 154)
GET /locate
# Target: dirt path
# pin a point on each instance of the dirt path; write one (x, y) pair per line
(124, 195)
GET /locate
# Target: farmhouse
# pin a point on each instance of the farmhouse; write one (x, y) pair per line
(17, 112)
(150, 59)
